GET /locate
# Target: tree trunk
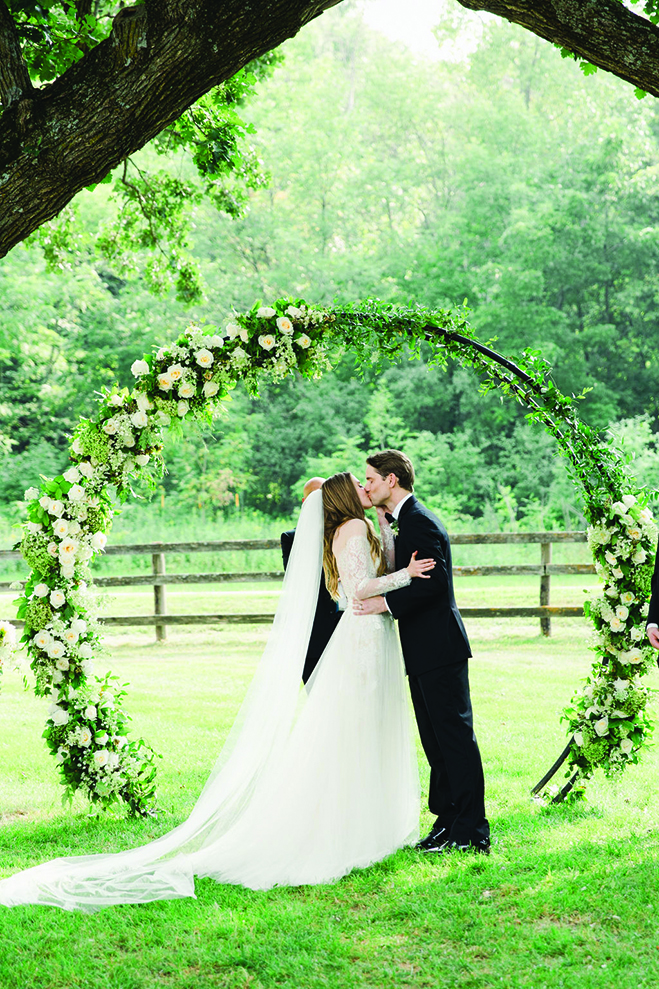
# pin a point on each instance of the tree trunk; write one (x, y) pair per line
(160, 58)
(603, 32)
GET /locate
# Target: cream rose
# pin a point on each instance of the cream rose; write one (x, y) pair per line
(602, 726)
(303, 341)
(232, 330)
(615, 624)
(59, 716)
(41, 590)
(90, 713)
(86, 469)
(285, 326)
(72, 475)
(294, 312)
(138, 368)
(84, 737)
(175, 372)
(110, 426)
(33, 527)
(266, 312)
(204, 358)
(267, 341)
(622, 612)
(98, 541)
(165, 381)
(626, 746)
(85, 650)
(62, 664)
(142, 459)
(67, 550)
(31, 494)
(56, 508)
(57, 598)
(210, 388)
(139, 419)
(182, 408)
(76, 492)
(42, 640)
(187, 390)
(101, 758)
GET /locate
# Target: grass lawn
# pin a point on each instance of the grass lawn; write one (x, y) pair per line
(568, 898)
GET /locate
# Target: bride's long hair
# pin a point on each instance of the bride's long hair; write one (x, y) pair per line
(340, 504)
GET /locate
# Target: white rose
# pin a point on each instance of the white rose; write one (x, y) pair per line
(98, 541)
(86, 469)
(285, 325)
(74, 528)
(210, 388)
(58, 677)
(627, 597)
(244, 334)
(233, 330)
(59, 716)
(72, 475)
(138, 368)
(183, 408)
(79, 625)
(45, 501)
(87, 667)
(31, 494)
(164, 381)
(101, 758)
(61, 528)
(602, 726)
(622, 612)
(34, 527)
(215, 341)
(85, 650)
(162, 419)
(85, 552)
(637, 634)
(615, 624)
(639, 556)
(76, 492)
(110, 426)
(628, 500)
(626, 746)
(90, 713)
(303, 341)
(578, 738)
(266, 312)
(52, 549)
(139, 419)
(294, 312)
(41, 590)
(70, 637)
(143, 402)
(56, 508)
(187, 390)
(57, 598)
(619, 508)
(113, 760)
(634, 533)
(610, 558)
(62, 664)
(129, 440)
(115, 400)
(84, 737)
(635, 656)
(267, 341)
(42, 640)
(77, 447)
(617, 573)
(204, 358)
(142, 459)
(67, 551)
(645, 515)
(101, 738)
(175, 372)
(55, 649)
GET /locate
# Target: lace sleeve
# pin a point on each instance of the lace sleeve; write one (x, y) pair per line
(358, 563)
(388, 546)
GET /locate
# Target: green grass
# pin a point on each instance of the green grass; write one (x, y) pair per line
(567, 899)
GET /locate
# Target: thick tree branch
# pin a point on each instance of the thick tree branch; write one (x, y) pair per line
(603, 32)
(159, 59)
(15, 81)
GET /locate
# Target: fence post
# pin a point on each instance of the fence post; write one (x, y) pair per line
(159, 599)
(545, 559)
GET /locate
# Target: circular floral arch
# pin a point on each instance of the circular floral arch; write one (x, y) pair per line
(69, 517)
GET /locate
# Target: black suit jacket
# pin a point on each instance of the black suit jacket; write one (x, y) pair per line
(653, 610)
(326, 618)
(431, 629)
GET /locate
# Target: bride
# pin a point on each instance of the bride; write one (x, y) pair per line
(310, 784)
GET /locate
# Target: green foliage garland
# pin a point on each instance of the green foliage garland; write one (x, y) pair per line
(69, 517)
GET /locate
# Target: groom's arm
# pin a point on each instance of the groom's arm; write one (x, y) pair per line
(424, 537)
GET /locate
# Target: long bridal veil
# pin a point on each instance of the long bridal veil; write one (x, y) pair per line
(165, 868)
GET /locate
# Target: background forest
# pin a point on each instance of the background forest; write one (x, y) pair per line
(503, 177)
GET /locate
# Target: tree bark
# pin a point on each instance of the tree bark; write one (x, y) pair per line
(603, 32)
(160, 58)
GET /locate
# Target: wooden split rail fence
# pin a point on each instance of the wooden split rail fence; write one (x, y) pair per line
(159, 578)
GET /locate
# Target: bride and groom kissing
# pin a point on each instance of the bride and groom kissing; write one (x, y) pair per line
(312, 784)
(434, 642)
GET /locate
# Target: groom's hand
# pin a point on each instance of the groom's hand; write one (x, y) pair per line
(371, 606)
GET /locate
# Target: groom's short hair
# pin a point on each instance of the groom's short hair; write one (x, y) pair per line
(388, 462)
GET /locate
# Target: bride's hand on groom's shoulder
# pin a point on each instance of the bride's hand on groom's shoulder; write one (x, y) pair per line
(420, 568)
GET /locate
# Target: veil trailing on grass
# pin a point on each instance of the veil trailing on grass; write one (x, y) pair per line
(165, 868)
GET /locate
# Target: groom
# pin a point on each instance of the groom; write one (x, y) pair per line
(435, 650)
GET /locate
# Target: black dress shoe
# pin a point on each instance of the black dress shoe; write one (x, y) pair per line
(441, 846)
(438, 836)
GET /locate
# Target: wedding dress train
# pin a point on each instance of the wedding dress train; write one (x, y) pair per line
(309, 785)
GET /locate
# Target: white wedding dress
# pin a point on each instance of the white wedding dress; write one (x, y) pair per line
(309, 785)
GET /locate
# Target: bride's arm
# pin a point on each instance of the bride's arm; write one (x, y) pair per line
(355, 548)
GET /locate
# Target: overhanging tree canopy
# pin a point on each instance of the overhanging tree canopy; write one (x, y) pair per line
(122, 74)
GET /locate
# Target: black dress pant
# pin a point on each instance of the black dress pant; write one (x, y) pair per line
(442, 706)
